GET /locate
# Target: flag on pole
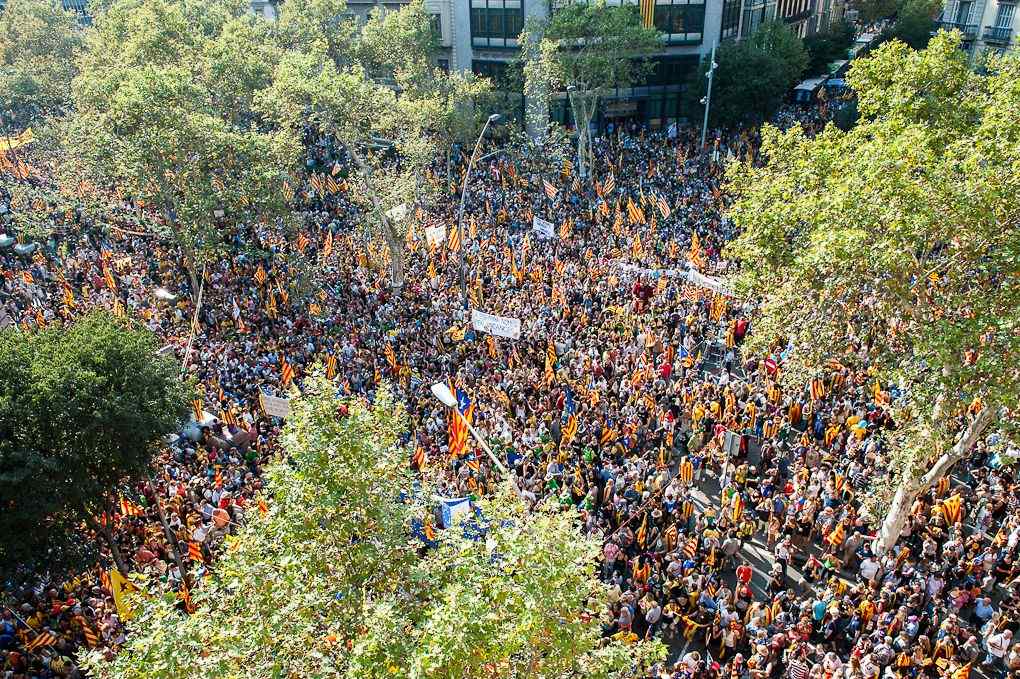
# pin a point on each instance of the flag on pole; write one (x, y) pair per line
(609, 185)
(565, 228)
(952, 509)
(120, 587)
(663, 207)
(569, 431)
(327, 246)
(42, 639)
(837, 535)
(129, 508)
(550, 190)
(457, 435)
(418, 458)
(647, 13)
(642, 531)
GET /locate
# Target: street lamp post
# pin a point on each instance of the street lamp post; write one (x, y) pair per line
(494, 119)
(707, 101)
(446, 397)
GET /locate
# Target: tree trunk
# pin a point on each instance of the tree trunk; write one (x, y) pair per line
(396, 260)
(103, 529)
(170, 537)
(578, 117)
(394, 242)
(909, 489)
(194, 323)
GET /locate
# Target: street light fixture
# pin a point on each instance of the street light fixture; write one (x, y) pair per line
(442, 392)
(494, 119)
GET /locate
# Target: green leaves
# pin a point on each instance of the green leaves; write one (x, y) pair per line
(915, 22)
(894, 240)
(166, 109)
(82, 409)
(328, 583)
(752, 76)
(38, 41)
(595, 47)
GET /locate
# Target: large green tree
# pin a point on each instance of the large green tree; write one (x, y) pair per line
(330, 582)
(586, 49)
(869, 11)
(915, 21)
(82, 410)
(752, 76)
(382, 98)
(167, 111)
(38, 42)
(899, 241)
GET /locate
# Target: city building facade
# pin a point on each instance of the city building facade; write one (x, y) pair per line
(986, 25)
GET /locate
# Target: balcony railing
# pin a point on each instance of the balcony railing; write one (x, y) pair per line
(969, 30)
(996, 34)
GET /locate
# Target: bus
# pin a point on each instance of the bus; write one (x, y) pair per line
(807, 91)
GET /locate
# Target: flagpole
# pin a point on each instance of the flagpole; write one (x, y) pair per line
(495, 460)
(442, 392)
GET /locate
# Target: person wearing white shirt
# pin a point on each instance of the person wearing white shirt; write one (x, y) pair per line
(996, 647)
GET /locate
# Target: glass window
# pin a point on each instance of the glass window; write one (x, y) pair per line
(496, 23)
(662, 19)
(730, 19)
(1004, 18)
(681, 20)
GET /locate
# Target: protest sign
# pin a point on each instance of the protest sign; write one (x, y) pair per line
(543, 228)
(501, 326)
(435, 235)
(274, 406)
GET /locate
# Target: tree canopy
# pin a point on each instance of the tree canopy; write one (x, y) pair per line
(592, 48)
(330, 580)
(381, 97)
(168, 109)
(915, 21)
(752, 76)
(828, 46)
(870, 11)
(896, 244)
(38, 41)
(82, 410)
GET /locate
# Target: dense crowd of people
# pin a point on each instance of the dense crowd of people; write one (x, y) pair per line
(730, 507)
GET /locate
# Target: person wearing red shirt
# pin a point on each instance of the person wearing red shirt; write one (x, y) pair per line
(744, 573)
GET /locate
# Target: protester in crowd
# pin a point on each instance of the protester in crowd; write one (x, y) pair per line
(729, 507)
